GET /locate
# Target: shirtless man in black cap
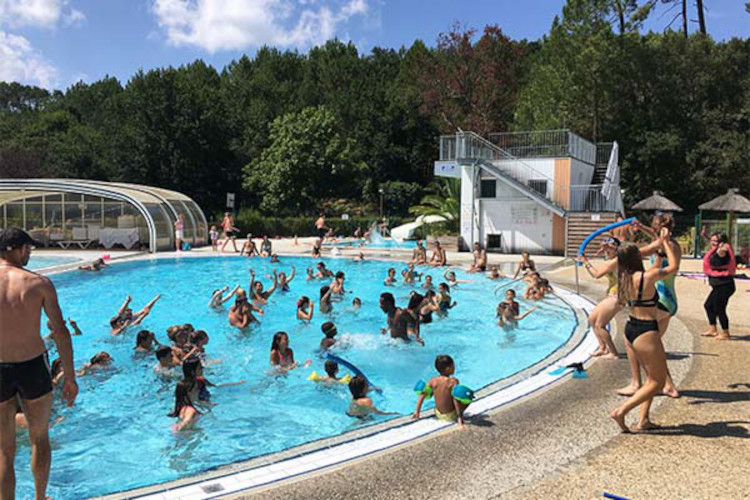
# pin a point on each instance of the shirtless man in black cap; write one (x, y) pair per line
(24, 369)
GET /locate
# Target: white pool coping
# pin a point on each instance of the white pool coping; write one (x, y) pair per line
(227, 482)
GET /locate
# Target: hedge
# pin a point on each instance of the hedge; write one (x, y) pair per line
(251, 221)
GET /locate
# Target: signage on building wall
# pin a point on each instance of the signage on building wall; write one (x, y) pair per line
(230, 200)
(524, 216)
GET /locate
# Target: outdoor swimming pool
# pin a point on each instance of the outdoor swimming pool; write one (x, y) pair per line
(118, 436)
(381, 243)
(43, 262)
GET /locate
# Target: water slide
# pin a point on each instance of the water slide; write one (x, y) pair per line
(406, 231)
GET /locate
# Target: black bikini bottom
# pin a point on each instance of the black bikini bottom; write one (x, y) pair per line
(636, 327)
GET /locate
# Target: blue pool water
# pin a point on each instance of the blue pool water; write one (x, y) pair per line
(382, 243)
(42, 262)
(119, 423)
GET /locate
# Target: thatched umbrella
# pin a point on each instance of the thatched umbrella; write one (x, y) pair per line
(657, 202)
(731, 202)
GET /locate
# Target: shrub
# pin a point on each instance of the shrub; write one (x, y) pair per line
(251, 221)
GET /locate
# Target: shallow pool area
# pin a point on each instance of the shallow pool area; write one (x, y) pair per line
(120, 417)
(37, 262)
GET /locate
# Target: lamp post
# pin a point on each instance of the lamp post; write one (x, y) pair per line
(382, 193)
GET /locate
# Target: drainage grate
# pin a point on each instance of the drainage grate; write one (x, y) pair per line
(212, 488)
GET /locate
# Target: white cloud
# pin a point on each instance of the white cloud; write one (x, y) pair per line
(215, 25)
(20, 62)
(38, 13)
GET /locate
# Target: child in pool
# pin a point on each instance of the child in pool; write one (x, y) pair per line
(444, 299)
(427, 285)
(305, 309)
(446, 407)
(218, 298)
(410, 275)
(98, 361)
(184, 409)
(284, 280)
(390, 280)
(356, 303)
(326, 305)
(145, 340)
(450, 277)
(330, 331)
(332, 369)
(507, 315)
(361, 406)
(282, 356)
(309, 276)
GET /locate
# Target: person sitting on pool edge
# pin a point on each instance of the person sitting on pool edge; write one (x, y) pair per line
(330, 331)
(361, 406)
(446, 406)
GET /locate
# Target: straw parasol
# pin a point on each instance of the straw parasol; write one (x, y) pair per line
(730, 202)
(659, 202)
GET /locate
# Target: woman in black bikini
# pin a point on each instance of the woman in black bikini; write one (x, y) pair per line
(526, 265)
(642, 329)
(429, 306)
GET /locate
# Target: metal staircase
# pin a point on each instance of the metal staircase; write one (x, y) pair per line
(471, 148)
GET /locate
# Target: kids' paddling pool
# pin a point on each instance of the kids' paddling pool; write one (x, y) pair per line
(118, 436)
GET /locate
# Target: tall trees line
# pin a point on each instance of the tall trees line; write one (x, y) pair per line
(285, 129)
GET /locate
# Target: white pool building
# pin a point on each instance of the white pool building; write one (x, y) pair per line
(540, 191)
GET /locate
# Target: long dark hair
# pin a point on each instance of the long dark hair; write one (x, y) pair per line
(277, 338)
(415, 301)
(629, 262)
(181, 398)
(190, 368)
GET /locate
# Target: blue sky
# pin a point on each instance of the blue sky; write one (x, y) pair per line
(54, 43)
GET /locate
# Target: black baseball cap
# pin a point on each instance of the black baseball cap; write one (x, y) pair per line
(13, 237)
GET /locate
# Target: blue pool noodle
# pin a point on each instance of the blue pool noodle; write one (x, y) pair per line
(613, 497)
(354, 369)
(603, 230)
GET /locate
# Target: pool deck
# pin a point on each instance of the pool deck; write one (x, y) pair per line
(560, 443)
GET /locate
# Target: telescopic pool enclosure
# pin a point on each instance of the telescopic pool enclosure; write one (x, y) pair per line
(83, 213)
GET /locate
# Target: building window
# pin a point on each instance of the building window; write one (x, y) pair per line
(494, 241)
(540, 186)
(488, 188)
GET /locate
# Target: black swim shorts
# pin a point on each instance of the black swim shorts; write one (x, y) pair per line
(29, 379)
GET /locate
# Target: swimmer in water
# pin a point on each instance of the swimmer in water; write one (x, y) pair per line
(444, 299)
(429, 305)
(495, 274)
(450, 277)
(330, 331)
(326, 305)
(241, 313)
(145, 340)
(309, 276)
(184, 409)
(323, 272)
(218, 298)
(305, 309)
(274, 258)
(410, 274)
(428, 285)
(337, 286)
(256, 288)
(361, 406)
(412, 315)
(282, 356)
(125, 317)
(508, 313)
(284, 281)
(356, 304)
(390, 280)
(95, 266)
(97, 362)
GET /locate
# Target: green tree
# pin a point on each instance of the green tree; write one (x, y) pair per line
(445, 201)
(306, 161)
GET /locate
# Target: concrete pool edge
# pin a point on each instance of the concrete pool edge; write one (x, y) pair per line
(328, 453)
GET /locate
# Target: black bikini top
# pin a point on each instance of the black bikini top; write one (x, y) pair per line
(639, 302)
